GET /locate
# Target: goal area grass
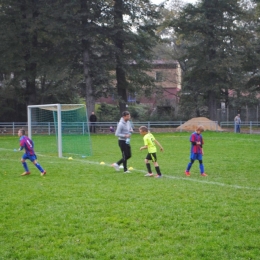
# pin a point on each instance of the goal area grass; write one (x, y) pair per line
(84, 210)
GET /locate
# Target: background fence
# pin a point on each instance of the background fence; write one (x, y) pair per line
(11, 128)
(246, 114)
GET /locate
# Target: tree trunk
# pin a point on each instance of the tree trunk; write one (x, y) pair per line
(212, 105)
(121, 89)
(30, 92)
(89, 98)
(119, 44)
(30, 46)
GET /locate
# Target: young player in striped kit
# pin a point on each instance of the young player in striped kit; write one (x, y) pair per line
(27, 144)
(196, 152)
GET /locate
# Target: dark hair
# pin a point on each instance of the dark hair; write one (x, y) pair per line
(125, 113)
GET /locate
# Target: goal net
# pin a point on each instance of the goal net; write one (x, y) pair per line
(60, 128)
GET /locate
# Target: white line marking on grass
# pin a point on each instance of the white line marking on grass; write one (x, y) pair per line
(183, 178)
(213, 183)
(165, 176)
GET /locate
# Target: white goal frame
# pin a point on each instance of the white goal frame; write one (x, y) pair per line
(52, 107)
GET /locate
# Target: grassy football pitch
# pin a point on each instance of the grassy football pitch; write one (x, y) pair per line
(84, 210)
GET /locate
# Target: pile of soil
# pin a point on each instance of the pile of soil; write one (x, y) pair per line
(192, 124)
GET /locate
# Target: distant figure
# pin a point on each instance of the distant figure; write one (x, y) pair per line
(27, 144)
(93, 120)
(111, 129)
(237, 123)
(196, 151)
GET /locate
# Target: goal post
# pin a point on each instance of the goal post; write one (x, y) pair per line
(67, 123)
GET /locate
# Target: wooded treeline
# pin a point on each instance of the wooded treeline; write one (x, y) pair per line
(74, 51)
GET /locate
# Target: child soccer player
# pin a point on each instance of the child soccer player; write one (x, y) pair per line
(196, 151)
(27, 144)
(149, 143)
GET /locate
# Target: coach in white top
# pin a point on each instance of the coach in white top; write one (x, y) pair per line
(123, 132)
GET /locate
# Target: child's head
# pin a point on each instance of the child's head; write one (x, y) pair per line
(21, 132)
(200, 129)
(143, 130)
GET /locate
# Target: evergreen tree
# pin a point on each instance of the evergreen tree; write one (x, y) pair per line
(29, 58)
(214, 39)
(57, 49)
(134, 37)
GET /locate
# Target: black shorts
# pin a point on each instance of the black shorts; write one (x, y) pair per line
(151, 156)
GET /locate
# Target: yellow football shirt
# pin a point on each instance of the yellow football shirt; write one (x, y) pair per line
(149, 141)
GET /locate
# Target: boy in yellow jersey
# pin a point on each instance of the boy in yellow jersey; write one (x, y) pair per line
(150, 144)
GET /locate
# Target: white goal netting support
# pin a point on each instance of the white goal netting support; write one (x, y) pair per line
(61, 128)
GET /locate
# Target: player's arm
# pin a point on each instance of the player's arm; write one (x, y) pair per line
(143, 147)
(21, 145)
(161, 148)
(193, 140)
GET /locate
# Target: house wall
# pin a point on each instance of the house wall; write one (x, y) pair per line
(170, 80)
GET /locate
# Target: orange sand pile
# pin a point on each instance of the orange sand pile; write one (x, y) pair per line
(192, 124)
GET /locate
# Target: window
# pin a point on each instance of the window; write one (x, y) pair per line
(131, 98)
(159, 76)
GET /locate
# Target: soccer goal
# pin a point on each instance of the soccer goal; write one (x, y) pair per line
(61, 128)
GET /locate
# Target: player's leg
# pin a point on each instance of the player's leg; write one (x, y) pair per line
(128, 152)
(148, 165)
(192, 159)
(126, 155)
(122, 146)
(117, 164)
(25, 166)
(201, 166)
(202, 172)
(189, 165)
(33, 159)
(156, 165)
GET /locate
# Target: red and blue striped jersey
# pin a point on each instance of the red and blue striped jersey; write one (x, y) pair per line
(196, 148)
(27, 144)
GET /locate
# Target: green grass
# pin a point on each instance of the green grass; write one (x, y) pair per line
(84, 210)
